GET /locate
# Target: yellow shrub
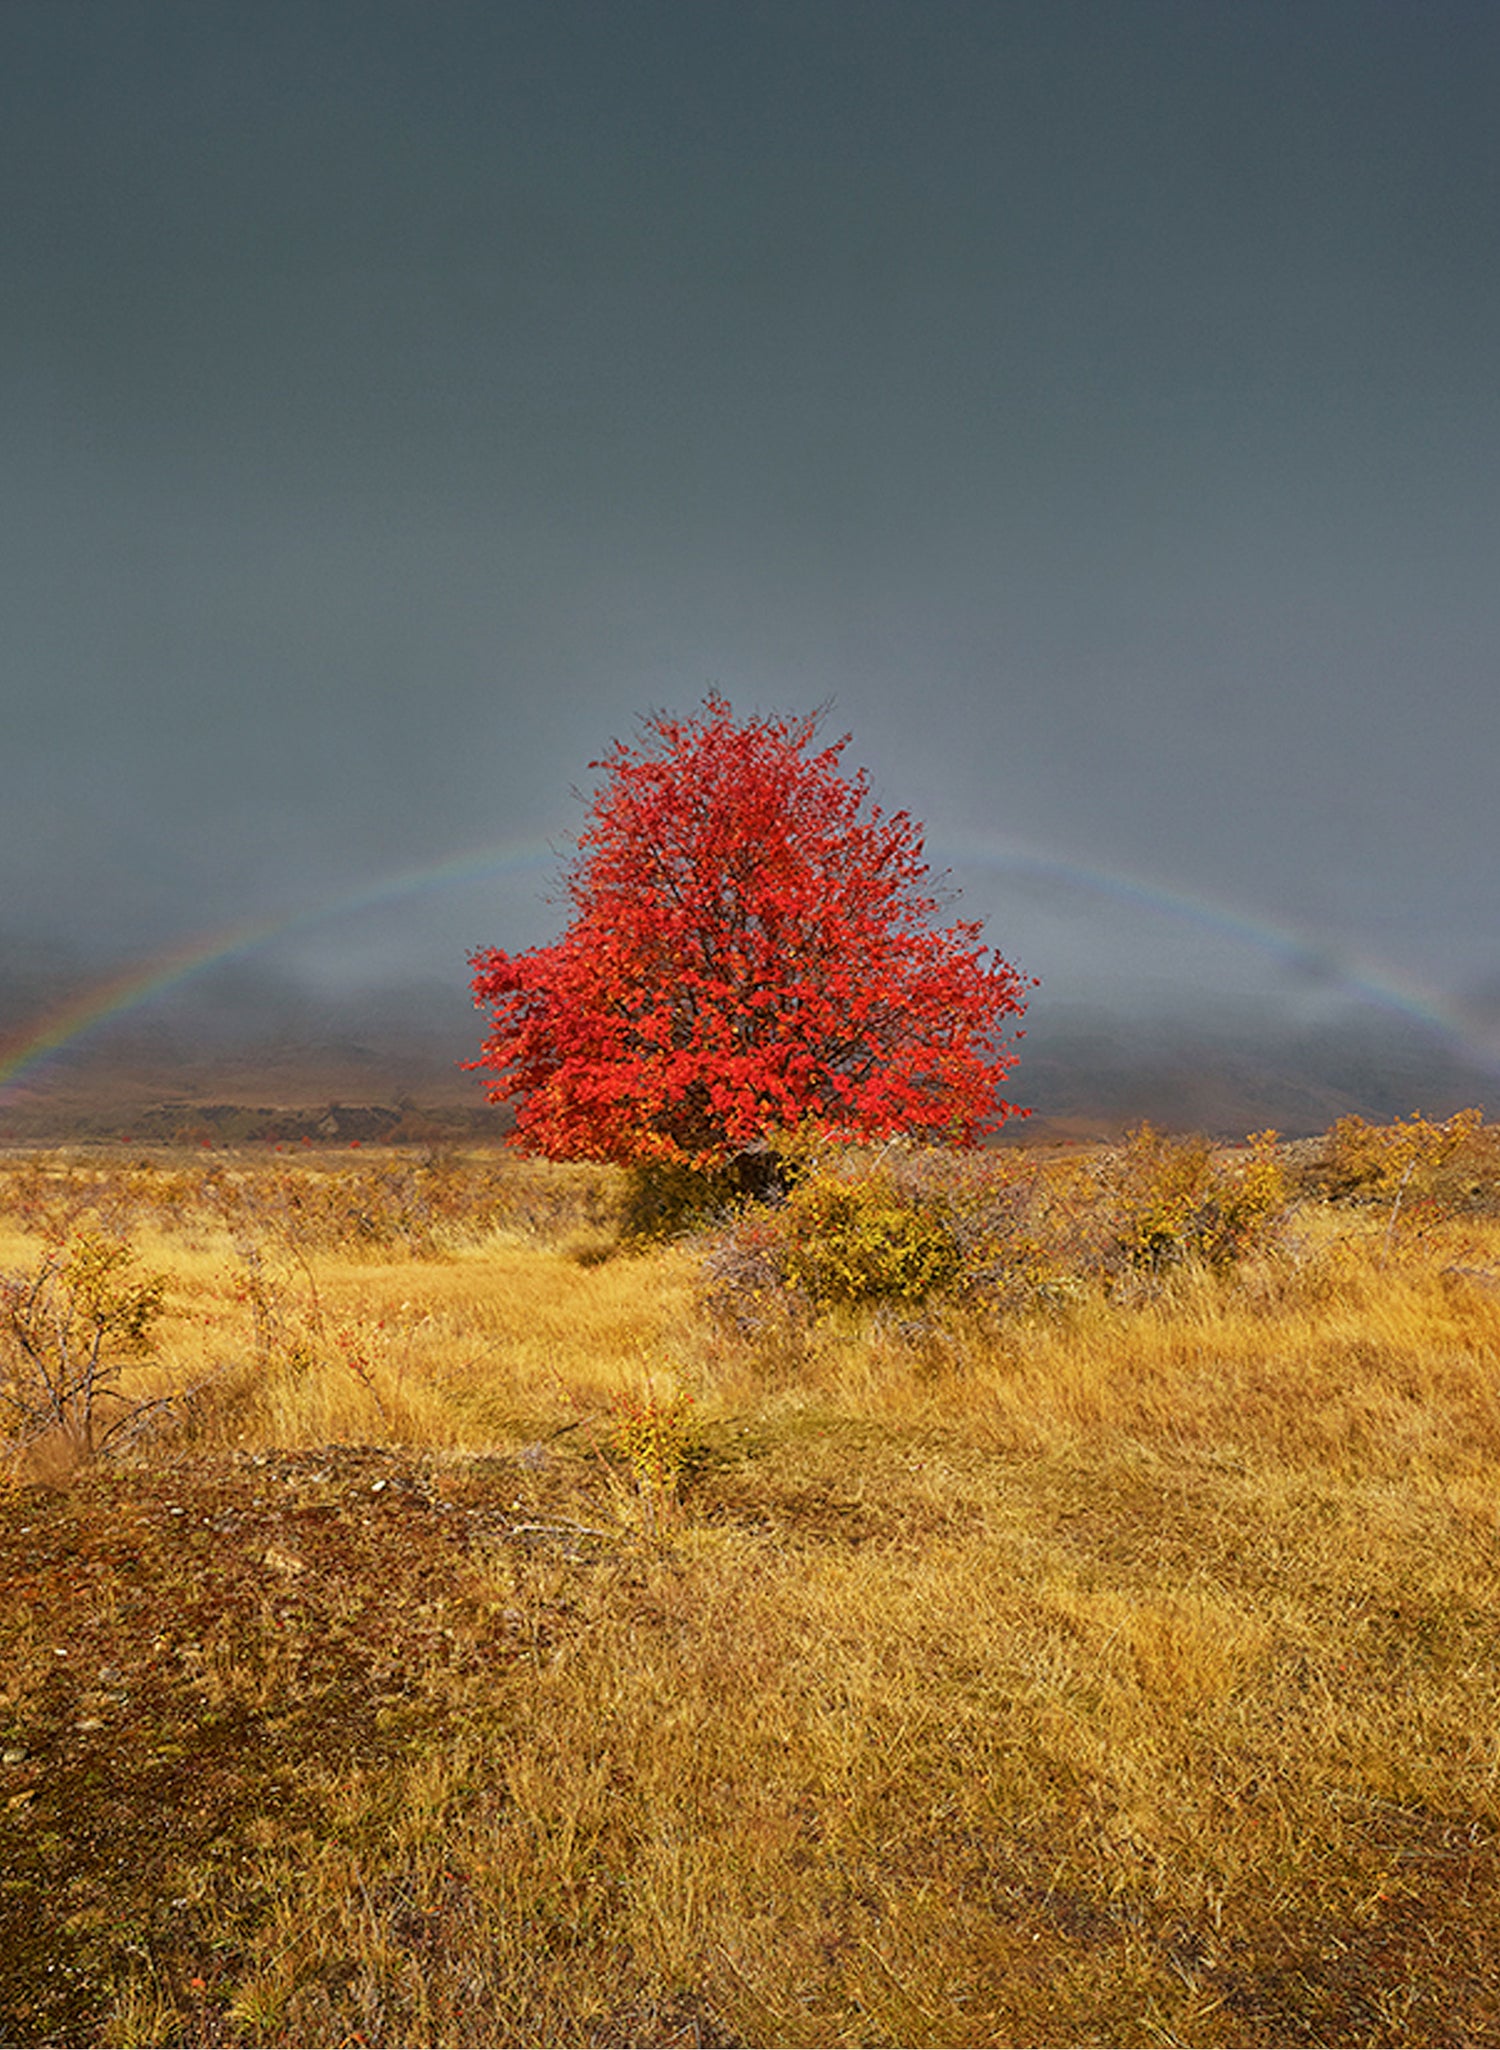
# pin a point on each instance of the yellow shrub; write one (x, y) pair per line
(849, 1242)
(1180, 1200)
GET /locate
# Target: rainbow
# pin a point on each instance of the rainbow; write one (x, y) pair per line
(1353, 974)
(24, 1055)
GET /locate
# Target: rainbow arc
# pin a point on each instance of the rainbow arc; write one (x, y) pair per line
(25, 1055)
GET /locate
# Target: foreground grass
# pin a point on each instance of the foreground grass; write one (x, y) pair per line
(1125, 1674)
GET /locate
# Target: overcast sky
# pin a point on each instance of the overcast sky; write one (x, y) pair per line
(1099, 403)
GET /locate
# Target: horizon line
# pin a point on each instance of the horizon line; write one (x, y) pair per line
(27, 1050)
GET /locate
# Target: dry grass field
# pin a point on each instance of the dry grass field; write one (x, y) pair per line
(1040, 1601)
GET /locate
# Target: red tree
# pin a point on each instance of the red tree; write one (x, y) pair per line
(752, 948)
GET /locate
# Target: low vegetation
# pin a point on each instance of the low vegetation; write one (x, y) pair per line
(969, 1599)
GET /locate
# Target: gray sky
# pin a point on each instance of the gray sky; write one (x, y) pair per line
(1098, 402)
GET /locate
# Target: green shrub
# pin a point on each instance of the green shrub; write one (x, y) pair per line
(858, 1241)
(666, 1199)
(67, 1328)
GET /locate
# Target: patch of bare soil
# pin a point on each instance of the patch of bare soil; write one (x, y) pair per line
(190, 1660)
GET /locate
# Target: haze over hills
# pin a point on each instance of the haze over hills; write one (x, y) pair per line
(241, 1043)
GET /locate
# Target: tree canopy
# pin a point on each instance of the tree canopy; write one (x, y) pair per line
(754, 947)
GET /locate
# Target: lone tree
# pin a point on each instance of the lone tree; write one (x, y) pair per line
(753, 948)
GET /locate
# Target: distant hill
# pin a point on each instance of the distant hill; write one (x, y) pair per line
(1226, 1078)
(1084, 1074)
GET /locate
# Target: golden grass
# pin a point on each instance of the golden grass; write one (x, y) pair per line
(1123, 1673)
